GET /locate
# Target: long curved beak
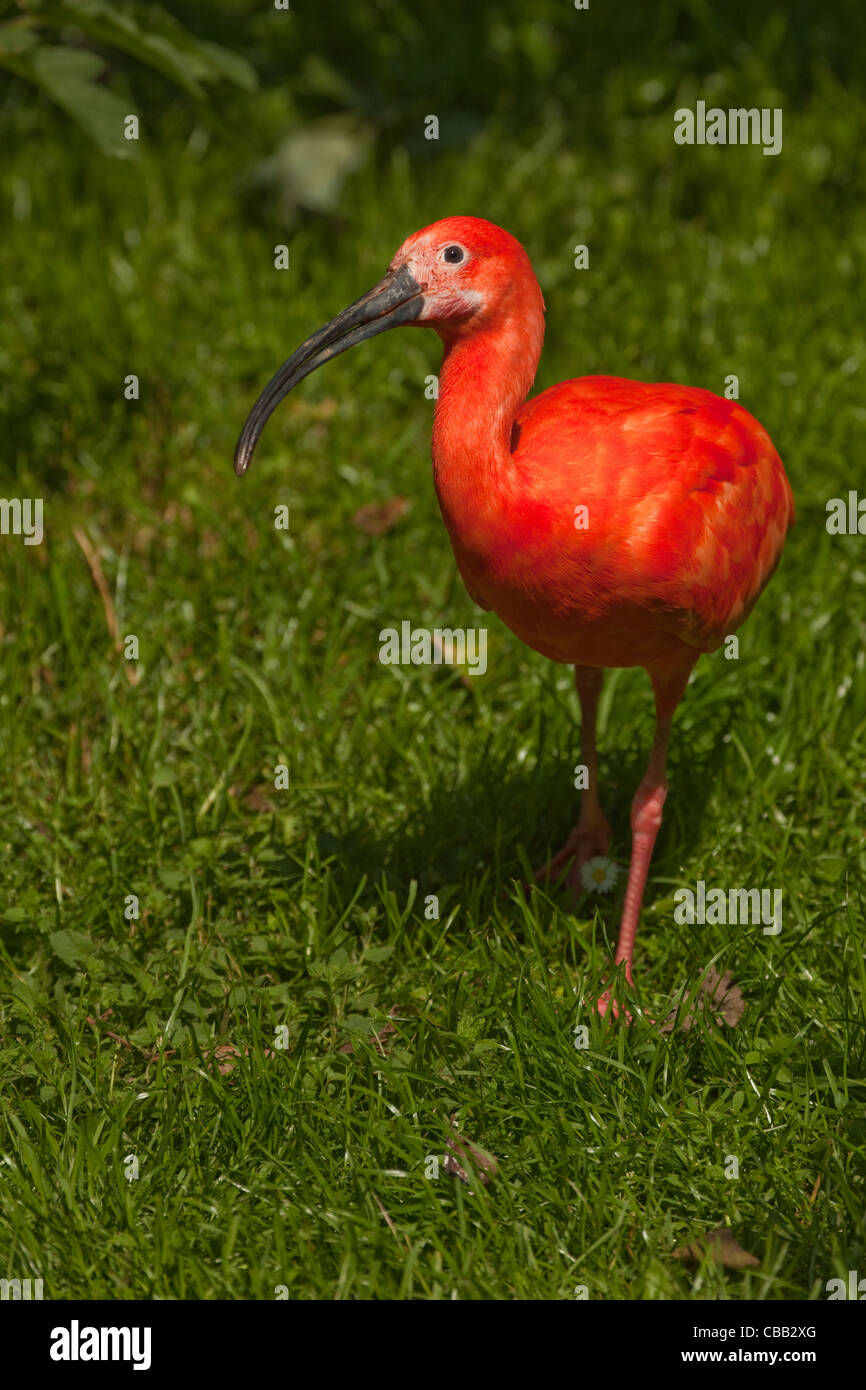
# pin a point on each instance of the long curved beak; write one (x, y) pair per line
(396, 299)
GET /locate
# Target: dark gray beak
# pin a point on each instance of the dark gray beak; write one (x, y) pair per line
(396, 299)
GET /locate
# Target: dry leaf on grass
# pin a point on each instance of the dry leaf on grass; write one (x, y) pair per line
(380, 1036)
(377, 518)
(389, 1223)
(222, 1055)
(484, 1164)
(717, 999)
(94, 564)
(150, 1054)
(115, 1037)
(721, 1248)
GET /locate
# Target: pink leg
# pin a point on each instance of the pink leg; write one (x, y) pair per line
(591, 835)
(646, 813)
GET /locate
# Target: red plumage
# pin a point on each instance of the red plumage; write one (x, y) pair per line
(687, 507)
(680, 499)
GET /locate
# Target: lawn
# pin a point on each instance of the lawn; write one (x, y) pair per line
(241, 1022)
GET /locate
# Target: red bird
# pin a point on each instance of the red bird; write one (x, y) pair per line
(686, 500)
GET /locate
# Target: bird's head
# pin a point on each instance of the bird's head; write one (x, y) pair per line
(455, 276)
(465, 270)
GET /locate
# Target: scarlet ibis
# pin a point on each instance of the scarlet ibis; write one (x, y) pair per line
(608, 523)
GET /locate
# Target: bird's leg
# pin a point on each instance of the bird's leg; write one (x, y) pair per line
(646, 819)
(591, 835)
(646, 813)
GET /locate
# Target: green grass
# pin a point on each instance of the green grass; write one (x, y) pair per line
(304, 907)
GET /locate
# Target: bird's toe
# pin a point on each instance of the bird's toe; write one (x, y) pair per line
(586, 841)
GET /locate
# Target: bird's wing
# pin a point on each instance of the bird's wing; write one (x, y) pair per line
(687, 498)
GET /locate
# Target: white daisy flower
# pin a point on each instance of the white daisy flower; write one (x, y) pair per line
(599, 875)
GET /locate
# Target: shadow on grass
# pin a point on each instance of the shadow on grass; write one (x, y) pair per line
(501, 812)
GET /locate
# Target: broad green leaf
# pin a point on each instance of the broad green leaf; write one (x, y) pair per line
(156, 38)
(16, 38)
(230, 65)
(72, 947)
(67, 74)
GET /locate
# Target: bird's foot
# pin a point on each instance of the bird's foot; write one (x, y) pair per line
(590, 839)
(606, 1001)
(610, 1000)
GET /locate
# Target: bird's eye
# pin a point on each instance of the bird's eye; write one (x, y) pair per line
(453, 254)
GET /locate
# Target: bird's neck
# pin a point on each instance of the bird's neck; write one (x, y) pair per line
(485, 377)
